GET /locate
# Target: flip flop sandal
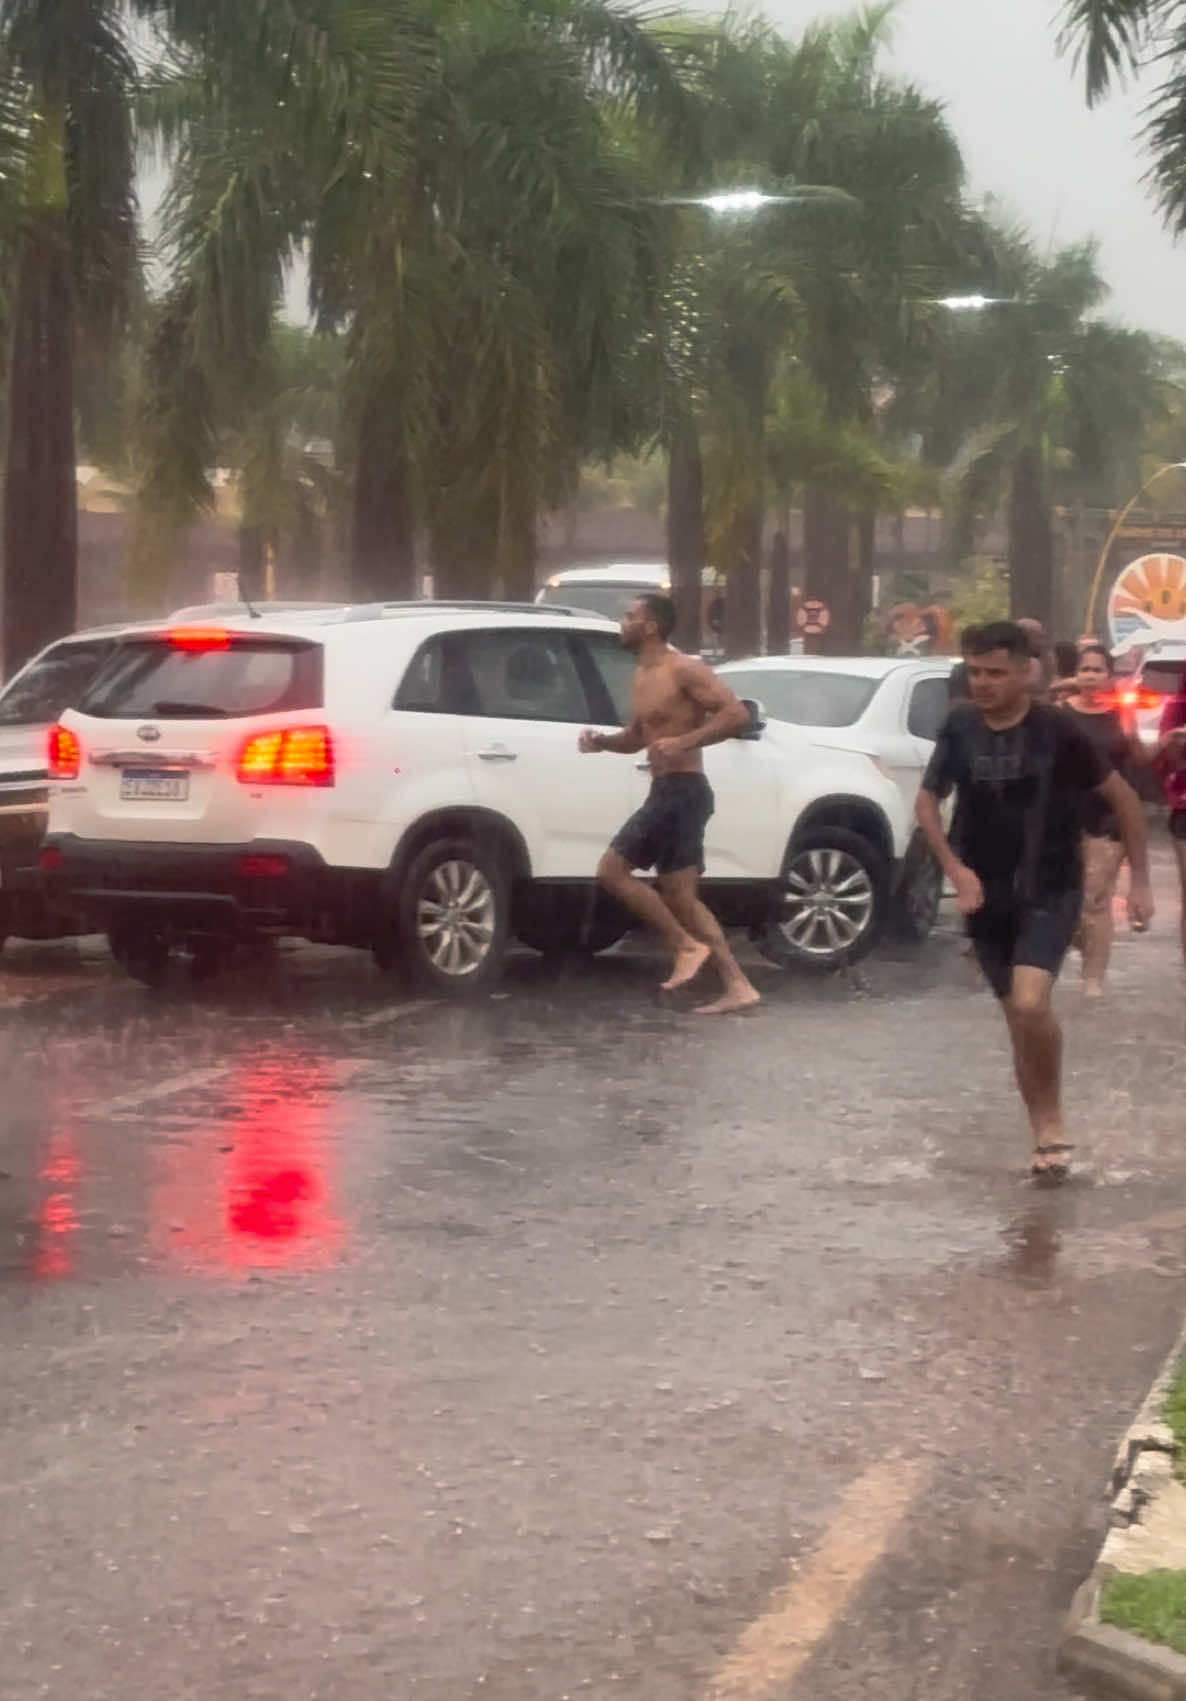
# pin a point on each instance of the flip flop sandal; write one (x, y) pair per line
(1053, 1173)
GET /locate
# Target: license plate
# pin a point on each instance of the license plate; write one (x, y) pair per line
(141, 787)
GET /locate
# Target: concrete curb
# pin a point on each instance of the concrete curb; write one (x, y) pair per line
(1112, 1661)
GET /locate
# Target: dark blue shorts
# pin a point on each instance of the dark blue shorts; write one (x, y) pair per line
(667, 833)
(1007, 936)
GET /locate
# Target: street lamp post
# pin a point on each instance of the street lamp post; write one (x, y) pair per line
(1105, 552)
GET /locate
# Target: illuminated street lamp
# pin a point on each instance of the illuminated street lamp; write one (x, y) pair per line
(974, 303)
(738, 203)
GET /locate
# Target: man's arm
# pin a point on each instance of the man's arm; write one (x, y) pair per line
(1130, 818)
(628, 742)
(725, 715)
(968, 890)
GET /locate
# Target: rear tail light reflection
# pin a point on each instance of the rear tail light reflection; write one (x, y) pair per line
(294, 756)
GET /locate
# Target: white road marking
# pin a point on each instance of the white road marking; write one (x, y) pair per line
(772, 1652)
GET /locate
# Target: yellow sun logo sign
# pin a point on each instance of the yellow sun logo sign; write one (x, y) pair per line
(1150, 591)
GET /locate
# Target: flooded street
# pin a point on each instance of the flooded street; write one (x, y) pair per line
(358, 1348)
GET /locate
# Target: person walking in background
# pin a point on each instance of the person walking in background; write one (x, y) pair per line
(1092, 710)
(1021, 771)
(1041, 667)
(1066, 669)
(1170, 763)
(958, 689)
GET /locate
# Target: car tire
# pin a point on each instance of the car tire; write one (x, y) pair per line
(207, 959)
(453, 919)
(832, 903)
(915, 908)
(141, 952)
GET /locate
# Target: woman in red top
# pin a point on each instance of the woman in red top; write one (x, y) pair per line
(1171, 768)
(1092, 709)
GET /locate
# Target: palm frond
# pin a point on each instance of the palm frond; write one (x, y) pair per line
(1109, 38)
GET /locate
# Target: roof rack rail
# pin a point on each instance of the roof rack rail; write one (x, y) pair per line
(458, 605)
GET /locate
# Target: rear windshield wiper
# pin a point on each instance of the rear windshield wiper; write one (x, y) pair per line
(189, 711)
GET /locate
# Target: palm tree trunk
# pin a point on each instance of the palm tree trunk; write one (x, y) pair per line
(41, 482)
(519, 550)
(253, 546)
(861, 599)
(686, 549)
(778, 608)
(1031, 542)
(383, 537)
(826, 544)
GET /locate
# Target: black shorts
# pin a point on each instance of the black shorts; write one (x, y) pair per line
(1178, 823)
(1020, 935)
(667, 833)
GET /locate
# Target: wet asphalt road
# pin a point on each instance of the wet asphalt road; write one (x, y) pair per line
(564, 1346)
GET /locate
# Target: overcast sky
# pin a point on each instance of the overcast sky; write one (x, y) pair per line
(1027, 136)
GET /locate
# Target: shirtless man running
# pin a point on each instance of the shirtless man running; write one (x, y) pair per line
(679, 706)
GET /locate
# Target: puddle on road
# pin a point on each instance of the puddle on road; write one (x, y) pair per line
(250, 1187)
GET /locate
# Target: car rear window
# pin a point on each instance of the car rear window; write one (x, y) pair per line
(596, 598)
(52, 683)
(151, 679)
(806, 698)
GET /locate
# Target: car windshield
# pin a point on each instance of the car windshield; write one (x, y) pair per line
(52, 683)
(805, 697)
(151, 679)
(597, 598)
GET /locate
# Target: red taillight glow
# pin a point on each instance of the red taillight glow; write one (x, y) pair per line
(1143, 701)
(296, 756)
(65, 754)
(198, 638)
(263, 867)
(51, 860)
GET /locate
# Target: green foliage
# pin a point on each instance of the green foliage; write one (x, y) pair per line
(979, 592)
(1152, 1605)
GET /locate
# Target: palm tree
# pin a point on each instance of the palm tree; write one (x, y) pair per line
(1112, 38)
(1040, 403)
(825, 293)
(75, 267)
(472, 231)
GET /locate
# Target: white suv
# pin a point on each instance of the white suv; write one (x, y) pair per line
(405, 778)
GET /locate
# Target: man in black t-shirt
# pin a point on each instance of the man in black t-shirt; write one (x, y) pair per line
(1021, 771)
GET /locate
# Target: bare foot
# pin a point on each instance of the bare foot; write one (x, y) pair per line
(1093, 989)
(688, 965)
(735, 1001)
(1052, 1155)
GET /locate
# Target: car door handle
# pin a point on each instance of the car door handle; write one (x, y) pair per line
(643, 767)
(498, 753)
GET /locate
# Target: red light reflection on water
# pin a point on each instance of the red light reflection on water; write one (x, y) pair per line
(266, 1202)
(57, 1219)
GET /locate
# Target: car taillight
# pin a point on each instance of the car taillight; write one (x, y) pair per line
(65, 754)
(1139, 699)
(195, 639)
(51, 860)
(296, 756)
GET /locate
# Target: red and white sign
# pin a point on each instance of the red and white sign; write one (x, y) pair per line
(812, 618)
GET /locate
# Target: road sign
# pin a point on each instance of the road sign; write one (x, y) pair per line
(812, 618)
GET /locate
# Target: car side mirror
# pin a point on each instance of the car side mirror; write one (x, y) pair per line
(757, 719)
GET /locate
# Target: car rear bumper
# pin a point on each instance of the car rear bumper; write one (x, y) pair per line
(264, 886)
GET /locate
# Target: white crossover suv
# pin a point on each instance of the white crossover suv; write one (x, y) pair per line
(405, 778)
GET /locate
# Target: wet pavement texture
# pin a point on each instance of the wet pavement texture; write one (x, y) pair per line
(356, 1347)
